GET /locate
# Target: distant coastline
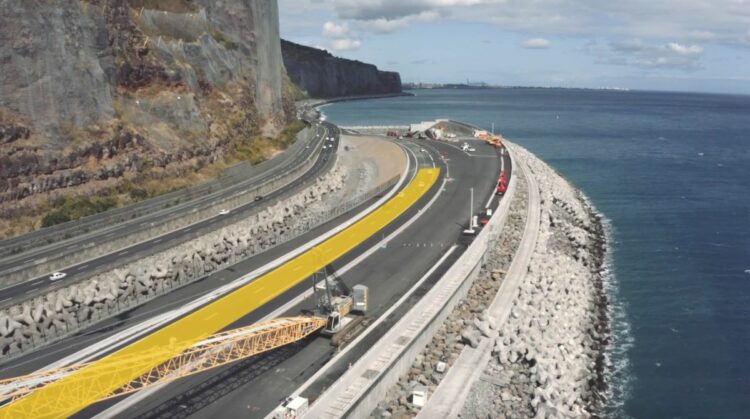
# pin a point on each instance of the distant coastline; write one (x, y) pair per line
(485, 86)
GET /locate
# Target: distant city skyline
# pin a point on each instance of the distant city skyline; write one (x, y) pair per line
(636, 44)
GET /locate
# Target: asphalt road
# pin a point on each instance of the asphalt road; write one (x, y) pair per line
(252, 388)
(29, 289)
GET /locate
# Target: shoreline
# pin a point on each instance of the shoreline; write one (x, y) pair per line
(570, 354)
(317, 103)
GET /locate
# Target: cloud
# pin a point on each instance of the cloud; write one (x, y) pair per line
(341, 38)
(332, 30)
(346, 44)
(721, 21)
(635, 53)
(388, 25)
(535, 43)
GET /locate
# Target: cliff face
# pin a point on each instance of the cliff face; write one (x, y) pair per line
(94, 92)
(323, 76)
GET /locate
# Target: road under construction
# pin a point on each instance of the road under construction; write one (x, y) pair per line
(423, 221)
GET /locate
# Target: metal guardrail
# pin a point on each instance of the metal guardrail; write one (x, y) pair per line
(74, 228)
(142, 232)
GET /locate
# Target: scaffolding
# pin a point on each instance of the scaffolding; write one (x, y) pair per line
(215, 351)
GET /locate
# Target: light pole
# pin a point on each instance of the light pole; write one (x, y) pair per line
(471, 209)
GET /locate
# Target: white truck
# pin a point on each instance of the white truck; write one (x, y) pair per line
(292, 408)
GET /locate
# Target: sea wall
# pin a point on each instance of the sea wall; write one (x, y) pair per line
(548, 358)
(322, 75)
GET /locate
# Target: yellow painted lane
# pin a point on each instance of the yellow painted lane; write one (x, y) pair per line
(84, 387)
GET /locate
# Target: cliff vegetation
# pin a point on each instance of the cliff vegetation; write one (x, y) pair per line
(103, 102)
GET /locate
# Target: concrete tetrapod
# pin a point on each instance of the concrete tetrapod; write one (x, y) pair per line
(76, 391)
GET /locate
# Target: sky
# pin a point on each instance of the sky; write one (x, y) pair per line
(685, 45)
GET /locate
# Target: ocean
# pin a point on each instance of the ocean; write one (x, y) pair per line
(670, 172)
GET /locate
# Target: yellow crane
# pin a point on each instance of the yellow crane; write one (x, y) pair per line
(215, 351)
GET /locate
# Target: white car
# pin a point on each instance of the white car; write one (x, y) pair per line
(224, 212)
(471, 149)
(57, 275)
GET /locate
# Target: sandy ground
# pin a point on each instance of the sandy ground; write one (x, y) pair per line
(368, 162)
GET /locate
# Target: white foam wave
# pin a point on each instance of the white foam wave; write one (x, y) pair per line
(618, 374)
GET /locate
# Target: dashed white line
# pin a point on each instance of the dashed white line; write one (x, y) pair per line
(37, 282)
(30, 260)
(157, 240)
(31, 290)
(81, 267)
(2, 301)
(122, 253)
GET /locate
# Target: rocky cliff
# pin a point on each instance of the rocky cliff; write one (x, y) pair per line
(323, 76)
(98, 93)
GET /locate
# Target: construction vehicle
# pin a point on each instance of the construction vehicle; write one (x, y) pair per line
(292, 408)
(337, 304)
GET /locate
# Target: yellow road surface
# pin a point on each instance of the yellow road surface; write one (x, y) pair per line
(84, 387)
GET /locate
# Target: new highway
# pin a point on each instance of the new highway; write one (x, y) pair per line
(416, 247)
(35, 286)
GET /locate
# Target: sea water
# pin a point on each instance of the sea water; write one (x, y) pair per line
(671, 173)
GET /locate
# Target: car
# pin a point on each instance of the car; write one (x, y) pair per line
(258, 198)
(422, 150)
(224, 212)
(471, 149)
(57, 275)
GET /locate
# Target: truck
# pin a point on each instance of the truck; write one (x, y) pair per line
(292, 408)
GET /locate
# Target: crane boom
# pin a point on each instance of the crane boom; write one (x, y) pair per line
(214, 351)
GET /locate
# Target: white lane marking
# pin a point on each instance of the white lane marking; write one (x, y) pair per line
(30, 260)
(489, 202)
(7, 299)
(377, 322)
(123, 252)
(82, 267)
(186, 230)
(37, 282)
(110, 234)
(31, 290)
(157, 240)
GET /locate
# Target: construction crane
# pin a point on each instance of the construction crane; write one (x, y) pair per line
(215, 351)
(334, 302)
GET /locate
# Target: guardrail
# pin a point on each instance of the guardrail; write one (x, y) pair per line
(364, 385)
(141, 232)
(228, 178)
